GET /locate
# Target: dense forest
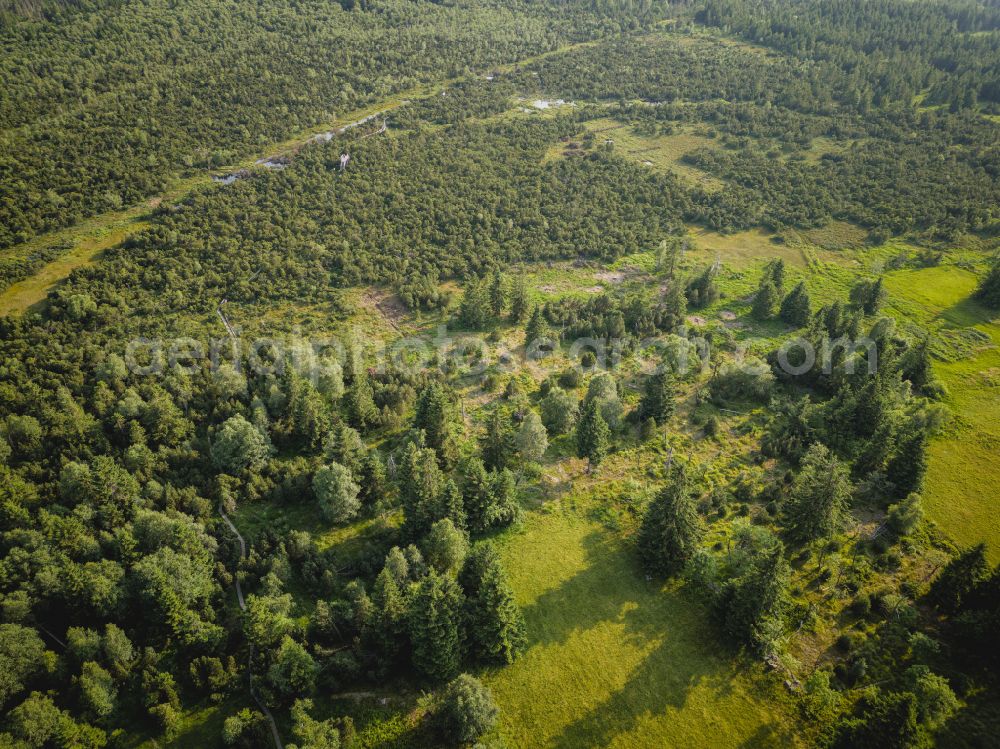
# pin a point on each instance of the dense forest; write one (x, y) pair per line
(139, 586)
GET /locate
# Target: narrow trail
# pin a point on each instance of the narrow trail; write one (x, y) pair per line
(243, 607)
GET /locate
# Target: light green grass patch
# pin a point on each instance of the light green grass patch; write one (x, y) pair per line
(962, 488)
(616, 661)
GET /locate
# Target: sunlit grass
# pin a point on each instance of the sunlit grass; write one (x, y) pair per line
(615, 660)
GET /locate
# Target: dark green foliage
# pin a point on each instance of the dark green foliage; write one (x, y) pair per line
(420, 489)
(659, 396)
(592, 435)
(465, 711)
(497, 444)
(474, 311)
(988, 291)
(21, 656)
(372, 479)
(868, 296)
(774, 272)
(490, 498)
(959, 579)
(795, 307)
(702, 290)
(765, 302)
(311, 733)
(519, 302)
(445, 546)
(109, 479)
(907, 468)
(915, 366)
(751, 604)
(790, 431)
(537, 329)
(434, 620)
(432, 416)
(494, 622)
(819, 496)
(671, 529)
(887, 720)
(127, 116)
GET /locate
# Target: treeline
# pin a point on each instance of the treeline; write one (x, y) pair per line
(889, 51)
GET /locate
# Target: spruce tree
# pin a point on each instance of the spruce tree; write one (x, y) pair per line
(819, 496)
(498, 294)
(432, 416)
(916, 367)
(494, 620)
(537, 327)
(658, 397)
(519, 302)
(795, 308)
(453, 505)
(775, 272)
(592, 435)
(373, 479)
(503, 490)
(907, 468)
(434, 621)
(474, 310)
(959, 579)
(532, 439)
(388, 624)
(497, 443)
(445, 546)
(765, 303)
(671, 529)
(752, 604)
(701, 290)
(359, 401)
(421, 484)
(477, 495)
(887, 721)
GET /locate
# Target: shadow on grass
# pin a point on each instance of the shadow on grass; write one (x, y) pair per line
(966, 313)
(683, 649)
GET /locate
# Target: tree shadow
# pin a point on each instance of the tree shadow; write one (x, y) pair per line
(966, 313)
(683, 649)
(557, 613)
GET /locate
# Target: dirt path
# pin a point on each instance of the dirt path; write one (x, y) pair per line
(243, 607)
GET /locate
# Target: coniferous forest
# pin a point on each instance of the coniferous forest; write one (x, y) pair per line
(396, 373)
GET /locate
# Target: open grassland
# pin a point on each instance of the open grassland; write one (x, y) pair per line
(613, 660)
(963, 489)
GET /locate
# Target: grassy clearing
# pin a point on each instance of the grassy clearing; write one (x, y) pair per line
(662, 152)
(962, 482)
(616, 661)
